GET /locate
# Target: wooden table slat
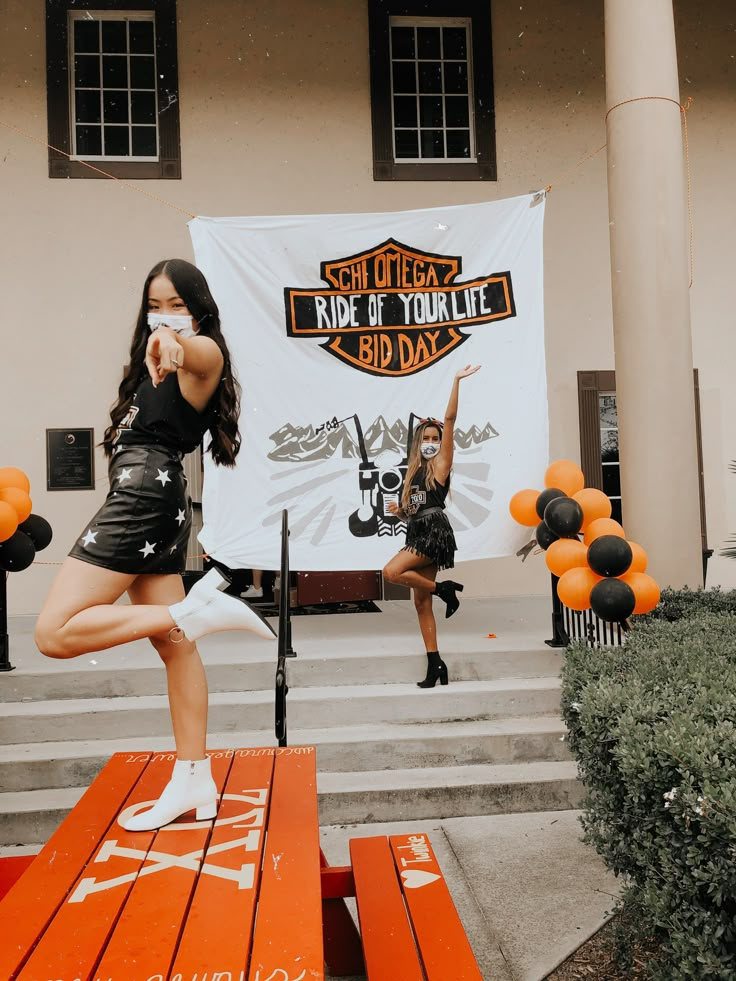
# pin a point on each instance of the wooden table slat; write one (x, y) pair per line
(446, 952)
(143, 943)
(218, 931)
(388, 943)
(34, 899)
(289, 948)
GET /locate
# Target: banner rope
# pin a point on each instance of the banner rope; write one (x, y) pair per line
(132, 187)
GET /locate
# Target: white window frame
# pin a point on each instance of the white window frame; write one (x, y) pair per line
(112, 15)
(438, 22)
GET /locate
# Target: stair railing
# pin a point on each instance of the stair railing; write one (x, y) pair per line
(284, 649)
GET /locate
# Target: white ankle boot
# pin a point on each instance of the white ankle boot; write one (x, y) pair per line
(191, 787)
(206, 609)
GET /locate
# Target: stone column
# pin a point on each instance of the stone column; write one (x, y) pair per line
(650, 273)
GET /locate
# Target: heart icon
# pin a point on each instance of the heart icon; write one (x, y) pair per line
(416, 878)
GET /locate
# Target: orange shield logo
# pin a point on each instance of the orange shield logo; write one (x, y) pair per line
(393, 310)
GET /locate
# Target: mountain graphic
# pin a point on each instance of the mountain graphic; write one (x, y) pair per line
(302, 444)
(380, 437)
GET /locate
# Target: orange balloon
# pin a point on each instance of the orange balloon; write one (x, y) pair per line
(8, 521)
(574, 587)
(645, 589)
(566, 475)
(523, 508)
(18, 500)
(13, 477)
(594, 503)
(602, 526)
(564, 554)
(639, 559)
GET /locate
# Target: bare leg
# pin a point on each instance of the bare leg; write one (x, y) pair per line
(416, 571)
(409, 569)
(257, 578)
(78, 615)
(425, 614)
(185, 674)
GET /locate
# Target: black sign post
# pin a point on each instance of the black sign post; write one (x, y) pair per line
(70, 459)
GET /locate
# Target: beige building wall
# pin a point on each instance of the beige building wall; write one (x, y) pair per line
(275, 118)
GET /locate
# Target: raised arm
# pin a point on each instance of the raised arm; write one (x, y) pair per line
(443, 460)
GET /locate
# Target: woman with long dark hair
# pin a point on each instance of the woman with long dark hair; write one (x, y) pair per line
(430, 542)
(178, 389)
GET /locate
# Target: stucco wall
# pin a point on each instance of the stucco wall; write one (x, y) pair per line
(275, 118)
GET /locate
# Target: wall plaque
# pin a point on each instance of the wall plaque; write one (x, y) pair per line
(70, 459)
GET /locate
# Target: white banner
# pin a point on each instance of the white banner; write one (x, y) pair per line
(343, 330)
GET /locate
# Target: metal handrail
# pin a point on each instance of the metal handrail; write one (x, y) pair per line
(284, 649)
(5, 664)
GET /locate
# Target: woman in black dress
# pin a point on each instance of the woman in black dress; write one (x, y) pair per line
(178, 388)
(430, 542)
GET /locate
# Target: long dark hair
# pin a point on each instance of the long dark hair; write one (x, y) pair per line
(192, 287)
(416, 461)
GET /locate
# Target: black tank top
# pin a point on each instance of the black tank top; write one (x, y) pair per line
(422, 497)
(163, 416)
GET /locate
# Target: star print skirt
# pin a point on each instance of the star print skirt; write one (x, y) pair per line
(143, 526)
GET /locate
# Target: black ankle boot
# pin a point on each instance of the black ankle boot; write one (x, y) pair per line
(436, 671)
(447, 590)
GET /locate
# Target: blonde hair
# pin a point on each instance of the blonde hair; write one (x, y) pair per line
(416, 461)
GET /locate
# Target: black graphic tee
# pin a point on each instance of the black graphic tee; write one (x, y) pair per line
(422, 497)
(162, 416)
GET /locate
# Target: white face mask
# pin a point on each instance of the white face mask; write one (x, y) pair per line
(428, 450)
(181, 323)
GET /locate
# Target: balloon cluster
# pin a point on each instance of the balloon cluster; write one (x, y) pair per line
(22, 533)
(603, 572)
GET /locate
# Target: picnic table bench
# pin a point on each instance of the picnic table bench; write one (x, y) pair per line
(246, 897)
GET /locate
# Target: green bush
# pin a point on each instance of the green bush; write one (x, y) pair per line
(653, 725)
(679, 604)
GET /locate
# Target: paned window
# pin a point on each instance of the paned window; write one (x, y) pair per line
(432, 90)
(610, 473)
(112, 88)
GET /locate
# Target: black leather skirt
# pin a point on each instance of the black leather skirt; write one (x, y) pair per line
(430, 533)
(143, 526)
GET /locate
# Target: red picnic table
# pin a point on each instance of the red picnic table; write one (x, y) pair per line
(246, 897)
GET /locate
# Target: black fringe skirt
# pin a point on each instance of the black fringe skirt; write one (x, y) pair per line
(143, 526)
(431, 534)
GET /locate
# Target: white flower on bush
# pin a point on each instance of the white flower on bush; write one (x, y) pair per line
(700, 806)
(669, 796)
(575, 706)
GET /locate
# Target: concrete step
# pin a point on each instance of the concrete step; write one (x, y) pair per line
(447, 791)
(95, 680)
(347, 798)
(31, 816)
(340, 748)
(342, 705)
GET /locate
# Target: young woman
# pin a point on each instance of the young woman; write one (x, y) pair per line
(177, 389)
(430, 542)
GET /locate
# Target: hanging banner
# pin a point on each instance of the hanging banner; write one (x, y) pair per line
(346, 329)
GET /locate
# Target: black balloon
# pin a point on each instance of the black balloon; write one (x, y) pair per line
(545, 497)
(612, 600)
(609, 555)
(17, 553)
(545, 536)
(564, 516)
(38, 530)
